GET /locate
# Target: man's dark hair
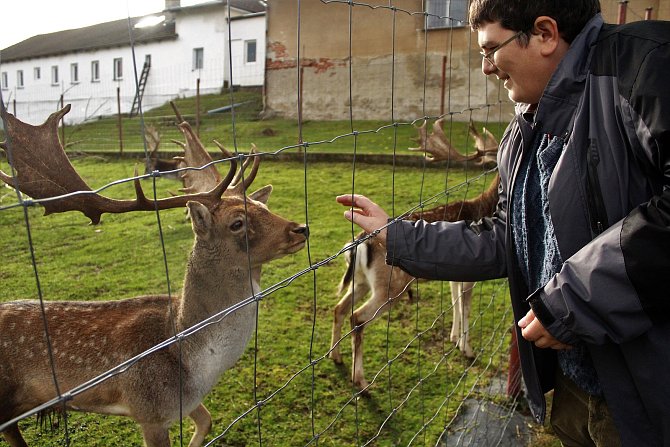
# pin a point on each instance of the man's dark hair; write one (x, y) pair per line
(520, 15)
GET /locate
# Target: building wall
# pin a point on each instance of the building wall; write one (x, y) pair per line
(399, 71)
(396, 66)
(248, 73)
(172, 71)
(635, 10)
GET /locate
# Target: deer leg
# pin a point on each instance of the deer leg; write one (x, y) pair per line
(342, 308)
(456, 292)
(203, 424)
(370, 310)
(462, 294)
(155, 435)
(13, 436)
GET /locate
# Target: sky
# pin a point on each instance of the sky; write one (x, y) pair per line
(21, 19)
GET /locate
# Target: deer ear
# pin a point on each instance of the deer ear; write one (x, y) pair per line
(201, 218)
(262, 195)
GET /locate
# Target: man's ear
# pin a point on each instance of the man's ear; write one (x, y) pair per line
(201, 218)
(262, 195)
(545, 31)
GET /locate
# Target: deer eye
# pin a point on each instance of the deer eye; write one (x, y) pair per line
(236, 225)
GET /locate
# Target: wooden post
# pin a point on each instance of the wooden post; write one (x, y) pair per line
(62, 122)
(197, 108)
(119, 120)
(623, 4)
(647, 13)
(443, 84)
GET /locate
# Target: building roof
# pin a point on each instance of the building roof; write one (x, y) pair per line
(109, 34)
(89, 38)
(248, 6)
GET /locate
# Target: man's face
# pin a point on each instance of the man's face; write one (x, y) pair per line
(523, 70)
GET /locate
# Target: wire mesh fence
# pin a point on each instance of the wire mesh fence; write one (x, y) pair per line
(284, 389)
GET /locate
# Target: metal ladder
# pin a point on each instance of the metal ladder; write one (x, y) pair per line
(140, 91)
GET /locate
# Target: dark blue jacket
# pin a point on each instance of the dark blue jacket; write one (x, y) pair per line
(609, 199)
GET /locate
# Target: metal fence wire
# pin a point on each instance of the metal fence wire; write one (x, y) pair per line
(423, 390)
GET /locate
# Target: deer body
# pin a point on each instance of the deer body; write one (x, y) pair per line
(368, 273)
(235, 235)
(88, 338)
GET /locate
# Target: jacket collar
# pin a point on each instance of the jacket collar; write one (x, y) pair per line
(565, 87)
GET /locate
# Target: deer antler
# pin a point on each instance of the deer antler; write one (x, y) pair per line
(438, 147)
(486, 144)
(153, 140)
(43, 171)
(203, 179)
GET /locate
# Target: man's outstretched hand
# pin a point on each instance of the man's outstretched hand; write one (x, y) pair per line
(365, 213)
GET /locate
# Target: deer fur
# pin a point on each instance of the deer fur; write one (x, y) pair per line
(367, 272)
(87, 338)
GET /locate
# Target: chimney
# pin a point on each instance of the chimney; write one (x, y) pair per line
(172, 4)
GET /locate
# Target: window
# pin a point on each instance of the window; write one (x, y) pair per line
(54, 75)
(198, 58)
(95, 71)
(5, 81)
(446, 13)
(19, 78)
(37, 73)
(74, 73)
(118, 69)
(250, 51)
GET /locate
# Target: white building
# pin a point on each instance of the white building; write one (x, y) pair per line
(99, 69)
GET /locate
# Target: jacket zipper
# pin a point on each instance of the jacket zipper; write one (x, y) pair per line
(597, 211)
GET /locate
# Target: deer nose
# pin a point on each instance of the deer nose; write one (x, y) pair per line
(302, 229)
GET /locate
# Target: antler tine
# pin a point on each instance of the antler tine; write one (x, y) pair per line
(480, 144)
(248, 180)
(238, 186)
(491, 144)
(421, 139)
(238, 174)
(209, 198)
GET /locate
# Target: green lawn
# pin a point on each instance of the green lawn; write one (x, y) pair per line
(421, 378)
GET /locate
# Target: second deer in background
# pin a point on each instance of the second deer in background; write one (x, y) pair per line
(367, 271)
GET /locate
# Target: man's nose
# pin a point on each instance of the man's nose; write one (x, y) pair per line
(487, 67)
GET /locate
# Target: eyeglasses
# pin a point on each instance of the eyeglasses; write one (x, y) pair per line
(489, 55)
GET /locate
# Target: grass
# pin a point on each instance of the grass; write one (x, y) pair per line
(375, 137)
(421, 378)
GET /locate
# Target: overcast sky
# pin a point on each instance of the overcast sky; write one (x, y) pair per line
(21, 19)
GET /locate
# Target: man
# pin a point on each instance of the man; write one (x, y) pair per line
(582, 228)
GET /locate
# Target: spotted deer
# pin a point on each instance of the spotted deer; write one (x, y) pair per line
(367, 271)
(71, 342)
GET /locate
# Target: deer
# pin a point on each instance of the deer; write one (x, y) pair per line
(167, 168)
(367, 271)
(235, 234)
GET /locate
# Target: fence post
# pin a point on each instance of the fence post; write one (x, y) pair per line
(197, 108)
(62, 122)
(443, 84)
(647, 13)
(120, 122)
(623, 4)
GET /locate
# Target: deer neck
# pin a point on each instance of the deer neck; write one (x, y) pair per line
(213, 284)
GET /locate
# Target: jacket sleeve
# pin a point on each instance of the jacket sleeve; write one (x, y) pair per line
(449, 251)
(457, 251)
(618, 283)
